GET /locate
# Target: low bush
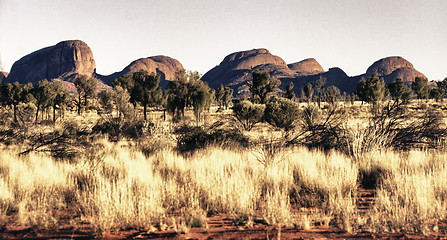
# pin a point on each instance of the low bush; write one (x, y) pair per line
(248, 114)
(282, 113)
(192, 138)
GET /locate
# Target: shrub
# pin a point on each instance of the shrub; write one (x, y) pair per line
(282, 113)
(248, 114)
(193, 138)
(117, 128)
(320, 128)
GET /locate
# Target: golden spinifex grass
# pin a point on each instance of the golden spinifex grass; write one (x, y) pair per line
(119, 187)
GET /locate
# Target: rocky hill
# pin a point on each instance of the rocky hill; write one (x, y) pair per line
(3, 76)
(64, 61)
(308, 66)
(163, 65)
(391, 68)
(236, 69)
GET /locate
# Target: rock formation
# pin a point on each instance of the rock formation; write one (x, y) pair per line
(235, 70)
(3, 76)
(308, 66)
(391, 68)
(165, 66)
(64, 61)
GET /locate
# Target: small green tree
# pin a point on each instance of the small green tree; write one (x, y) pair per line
(219, 95)
(331, 95)
(176, 95)
(45, 93)
(442, 85)
(262, 86)
(105, 98)
(223, 96)
(15, 93)
(420, 87)
(399, 91)
(201, 96)
(226, 100)
(127, 83)
(372, 90)
(318, 85)
(146, 90)
(61, 100)
(86, 88)
(289, 94)
(437, 94)
(308, 92)
(121, 99)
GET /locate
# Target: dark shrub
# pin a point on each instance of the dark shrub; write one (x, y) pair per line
(282, 113)
(117, 128)
(248, 114)
(193, 138)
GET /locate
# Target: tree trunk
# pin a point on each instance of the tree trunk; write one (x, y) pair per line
(145, 111)
(79, 104)
(15, 112)
(54, 113)
(37, 112)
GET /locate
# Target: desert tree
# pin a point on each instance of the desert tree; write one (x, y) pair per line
(262, 86)
(223, 96)
(437, 94)
(331, 94)
(146, 90)
(399, 91)
(13, 94)
(226, 100)
(442, 84)
(44, 96)
(86, 88)
(372, 90)
(126, 82)
(220, 92)
(420, 87)
(201, 97)
(121, 99)
(289, 94)
(60, 101)
(176, 95)
(318, 85)
(47, 94)
(308, 92)
(105, 98)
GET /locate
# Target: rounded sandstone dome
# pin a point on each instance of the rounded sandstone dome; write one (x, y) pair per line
(308, 66)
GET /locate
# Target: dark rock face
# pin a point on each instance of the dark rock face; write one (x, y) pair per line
(64, 61)
(165, 66)
(3, 76)
(237, 67)
(235, 70)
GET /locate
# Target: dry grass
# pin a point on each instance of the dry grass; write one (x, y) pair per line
(118, 185)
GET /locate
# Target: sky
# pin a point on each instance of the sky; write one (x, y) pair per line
(350, 34)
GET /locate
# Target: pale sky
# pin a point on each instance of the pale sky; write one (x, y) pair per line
(350, 34)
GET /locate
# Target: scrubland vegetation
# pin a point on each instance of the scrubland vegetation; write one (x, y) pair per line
(275, 161)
